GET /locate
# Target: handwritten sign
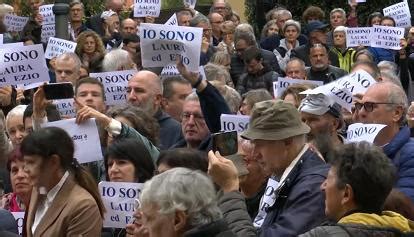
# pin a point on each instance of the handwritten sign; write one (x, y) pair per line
(172, 21)
(357, 82)
(190, 3)
(359, 132)
(66, 107)
(143, 8)
(387, 37)
(15, 23)
(56, 47)
(23, 65)
(47, 32)
(19, 217)
(115, 84)
(401, 14)
(283, 83)
(231, 122)
(85, 137)
(358, 36)
(160, 45)
(47, 13)
(119, 201)
(268, 200)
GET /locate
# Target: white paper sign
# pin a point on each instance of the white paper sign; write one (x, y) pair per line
(84, 135)
(47, 32)
(1, 39)
(400, 12)
(66, 107)
(190, 3)
(19, 217)
(358, 36)
(143, 8)
(172, 21)
(15, 23)
(115, 84)
(170, 70)
(232, 122)
(12, 45)
(357, 82)
(119, 201)
(23, 65)
(267, 200)
(387, 37)
(283, 83)
(47, 12)
(339, 94)
(56, 47)
(160, 45)
(359, 132)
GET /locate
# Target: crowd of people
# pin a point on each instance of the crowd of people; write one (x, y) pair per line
(294, 174)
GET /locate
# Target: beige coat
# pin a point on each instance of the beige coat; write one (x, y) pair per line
(73, 212)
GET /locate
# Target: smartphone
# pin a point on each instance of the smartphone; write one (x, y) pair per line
(56, 91)
(225, 143)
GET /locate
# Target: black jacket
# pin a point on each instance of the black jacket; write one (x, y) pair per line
(330, 74)
(170, 130)
(263, 80)
(302, 52)
(238, 68)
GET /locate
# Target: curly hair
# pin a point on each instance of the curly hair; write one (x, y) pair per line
(99, 47)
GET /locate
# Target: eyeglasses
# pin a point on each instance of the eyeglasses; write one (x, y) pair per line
(369, 106)
(197, 117)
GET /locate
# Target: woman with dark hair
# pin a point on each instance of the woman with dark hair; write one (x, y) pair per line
(182, 157)
(128, 160)
(374, 19)
(65, 200)
(18, 200)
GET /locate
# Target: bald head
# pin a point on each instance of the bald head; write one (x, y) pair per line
(129, 26)
(145, 91)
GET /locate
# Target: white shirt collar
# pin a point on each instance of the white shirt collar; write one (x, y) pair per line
(293, 163)
(53, 192)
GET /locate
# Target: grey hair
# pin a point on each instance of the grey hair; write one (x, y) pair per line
(230, 95)
(387, 65)
(192, 97)
(68, 56)
(397, 97)
(116, 60)
(185, 190)
(216, 72)
(199, 18)
(282, 12)
(16, 111)
(391, 76)
(292, 23)
(244, 27)
(340, 10)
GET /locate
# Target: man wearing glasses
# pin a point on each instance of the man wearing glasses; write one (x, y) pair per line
(386, 103)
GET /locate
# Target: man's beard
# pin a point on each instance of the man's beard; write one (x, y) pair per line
(323, 142)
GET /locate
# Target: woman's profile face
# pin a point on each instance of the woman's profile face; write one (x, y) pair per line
(121, 170)
(19, 178)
